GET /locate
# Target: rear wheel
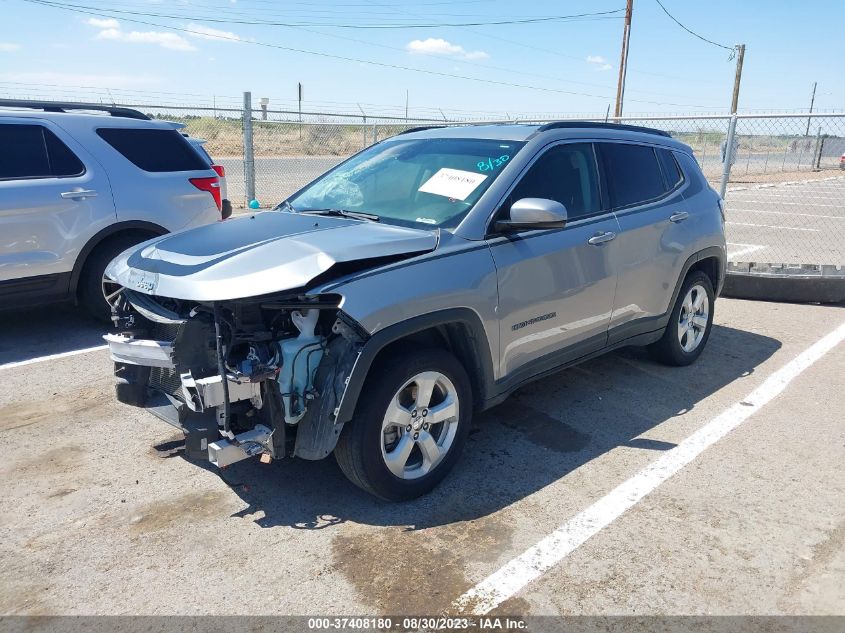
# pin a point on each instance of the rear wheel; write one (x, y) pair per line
(410, 426)
(95, 291)
(689, 323)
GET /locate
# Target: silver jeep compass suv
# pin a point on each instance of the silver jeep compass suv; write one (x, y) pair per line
(424, 279)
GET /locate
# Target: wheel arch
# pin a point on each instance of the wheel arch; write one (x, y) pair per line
(458, 330)
(120, 228)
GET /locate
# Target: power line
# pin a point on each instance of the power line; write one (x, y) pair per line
(691, 32)
(75, 9)
(101, 14)
(558, 18)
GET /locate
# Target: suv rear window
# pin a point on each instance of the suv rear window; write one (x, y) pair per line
(633, 174)
(33, 151)
(153, 150)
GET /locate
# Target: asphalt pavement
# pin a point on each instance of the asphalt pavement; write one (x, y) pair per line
(103, 514)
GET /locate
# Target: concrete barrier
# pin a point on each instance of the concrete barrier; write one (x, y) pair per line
(781, 282)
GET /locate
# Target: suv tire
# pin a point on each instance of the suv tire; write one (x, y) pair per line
(91, 291)
(390, 448)
(689, 324)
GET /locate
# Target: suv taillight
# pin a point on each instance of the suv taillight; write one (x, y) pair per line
(212, 186)
(220, 170)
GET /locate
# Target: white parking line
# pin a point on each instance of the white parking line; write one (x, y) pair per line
(41, 359)
(808, 203)
(748, 248)
(538, 559)
(774, 226)
(803, 215)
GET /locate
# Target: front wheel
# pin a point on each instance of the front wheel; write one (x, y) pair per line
(689, 323)
(410, 427)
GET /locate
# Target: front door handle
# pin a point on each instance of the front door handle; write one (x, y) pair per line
(601, 238)
(78, 194)
(680, 216)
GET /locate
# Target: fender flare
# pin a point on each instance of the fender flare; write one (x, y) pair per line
(102, 236)
(381, 339)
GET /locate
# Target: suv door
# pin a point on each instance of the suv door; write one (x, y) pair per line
(53, 198)
(556, 286)
(645, 186)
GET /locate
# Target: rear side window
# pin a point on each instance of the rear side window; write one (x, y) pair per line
(33, 151)
(566, 173)
(632, 172)
(671, 171)
(153, 150)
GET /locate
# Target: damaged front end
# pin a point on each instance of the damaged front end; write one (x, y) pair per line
(241, 378)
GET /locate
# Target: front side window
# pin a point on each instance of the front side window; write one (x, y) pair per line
(153, 150)
(33, 151)
(565, 173)
(412, 182)
(632, 172)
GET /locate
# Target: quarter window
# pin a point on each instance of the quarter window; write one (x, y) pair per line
(33, 151)
(632, 172)
(567, 174)
(153, 150)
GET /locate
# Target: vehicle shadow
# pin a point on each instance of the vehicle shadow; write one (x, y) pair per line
(52, 329)
(541, 433)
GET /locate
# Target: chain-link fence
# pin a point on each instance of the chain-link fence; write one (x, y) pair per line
(781, 175)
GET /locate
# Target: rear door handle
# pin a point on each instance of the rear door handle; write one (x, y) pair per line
(680, 216)
(78, 194)
(601, 238)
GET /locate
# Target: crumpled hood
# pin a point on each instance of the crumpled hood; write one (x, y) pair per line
(259, 254)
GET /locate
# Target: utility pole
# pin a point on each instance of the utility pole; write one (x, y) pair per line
(740, 55)
(623, 59)
(731, 146)
(812, 101)
(406, 105)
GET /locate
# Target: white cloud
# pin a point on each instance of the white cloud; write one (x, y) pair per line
(599, 61)
(9, 47)
(103, 23)
(438, 46)
(165, 40)
(110, 29)
(207, 33)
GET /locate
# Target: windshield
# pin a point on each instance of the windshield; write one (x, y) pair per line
(411, 182)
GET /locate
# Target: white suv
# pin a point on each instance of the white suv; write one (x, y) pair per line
(79, 184)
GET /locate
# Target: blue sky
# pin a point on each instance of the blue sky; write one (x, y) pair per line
(561, 67)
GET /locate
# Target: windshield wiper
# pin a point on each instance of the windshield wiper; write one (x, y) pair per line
(356, 215)
(285, 204)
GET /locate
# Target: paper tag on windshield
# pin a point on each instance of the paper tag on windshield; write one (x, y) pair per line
(453, 183)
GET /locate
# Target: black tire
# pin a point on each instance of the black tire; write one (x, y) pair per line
(668, 350)
(91, 280)
(359, 448)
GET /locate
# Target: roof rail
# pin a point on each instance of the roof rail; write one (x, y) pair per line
(594, 124)
(421, 128)
(64, 106)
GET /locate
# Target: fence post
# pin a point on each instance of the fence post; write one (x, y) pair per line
(249, 157)
(727, 163)
(817, 151)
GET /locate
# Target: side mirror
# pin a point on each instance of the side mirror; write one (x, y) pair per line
(534, 213)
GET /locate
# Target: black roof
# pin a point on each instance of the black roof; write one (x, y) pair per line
(64, 106)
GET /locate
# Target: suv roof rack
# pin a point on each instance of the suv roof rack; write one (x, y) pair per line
(595, 124)
(64, 106)
(421, 128)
